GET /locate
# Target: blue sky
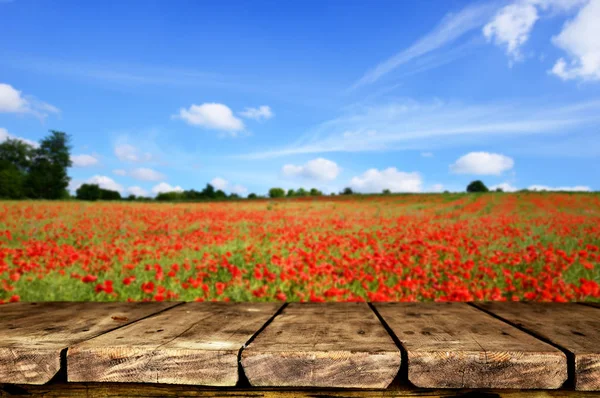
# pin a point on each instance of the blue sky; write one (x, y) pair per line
(409, 96)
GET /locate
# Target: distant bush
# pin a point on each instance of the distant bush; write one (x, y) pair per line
(477, 186)
(276, 193)
(93, 192)
(386, 192)
(347, 191)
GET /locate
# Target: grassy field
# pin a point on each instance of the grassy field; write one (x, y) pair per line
(524, 246)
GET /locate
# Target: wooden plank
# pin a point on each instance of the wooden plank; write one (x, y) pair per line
(195, 343)
(93, 390)
(32, 335)
(453, 345)
(573, 327)
(323, 345)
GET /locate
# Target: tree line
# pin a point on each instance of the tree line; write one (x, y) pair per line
(40, 172)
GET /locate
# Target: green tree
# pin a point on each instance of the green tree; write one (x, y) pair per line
(88, 192)
(15, 160)
(477, 186)
(291, 193)
(347, 191)
(276, 193)
(209, 192)
(315, 192)
(301, 192)
(252, 195)
(220, 194)
(48, 178)
(107, 194)
(386, 192)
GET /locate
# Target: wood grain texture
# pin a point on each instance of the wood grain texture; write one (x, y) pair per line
(573, 327)
(134, 390)
(32, 335)
(195, 343)
(453, 345)
(323, 345)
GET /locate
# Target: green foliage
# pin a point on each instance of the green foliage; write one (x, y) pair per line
(386, 192)
(291, 193)
(47, 177)
(88, 192)
(252, 196)
(347, 191)
(220, 195)
(276, 193)
(477, 186)
(94, 192)
(15, 160)
(315, 192)
(301, 192)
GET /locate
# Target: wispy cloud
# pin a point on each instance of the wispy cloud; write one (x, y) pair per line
(451, 27)
(419, 126)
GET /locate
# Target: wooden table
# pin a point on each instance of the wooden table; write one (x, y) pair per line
(273, 349)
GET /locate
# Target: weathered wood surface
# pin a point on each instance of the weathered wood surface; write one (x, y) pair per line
(195, 343)
(573, 327)
(32, 335)
(97, 390)
(453, 345)
(323, 345)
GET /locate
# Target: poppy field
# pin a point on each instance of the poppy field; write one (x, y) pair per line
(428, 247)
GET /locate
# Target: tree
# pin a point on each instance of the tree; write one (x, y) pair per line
(386, 192)
(276, 193)
(209, 192)
(131, 197)
(301, 192)
(15, 160)
(499, 189)
(315, 192)
(220, 194)
(291, 193)
(347, 191)
(88, 192)
(234, 195)
(477, 186)
(252, 195)
(107, 194)
(48, 178)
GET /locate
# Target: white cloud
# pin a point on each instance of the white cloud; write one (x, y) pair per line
(577, 188)
(120, 172)
(13, 101)
(5, 135)
(482, 163)
(580, 39)
(437, 188)
(146, 174)
(316, 169)
(505, 186)
(263, 112)
(448, 30)
(224, 185)
(129, 153)
(239, 189)
(513, 23)
(412, 125)
(219, 183)
(137, 191)
(84, 160)
(164, 187)
(374, 181)
(211, 116)
(510, 27)
(427, 154)
(105, 182)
